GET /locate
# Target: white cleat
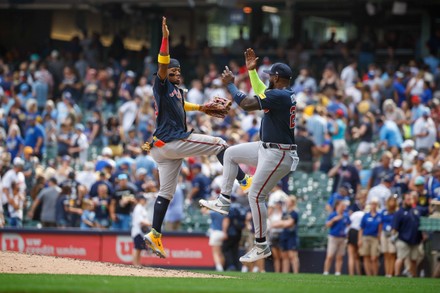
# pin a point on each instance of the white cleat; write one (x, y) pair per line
(259, 251)
(220, 205)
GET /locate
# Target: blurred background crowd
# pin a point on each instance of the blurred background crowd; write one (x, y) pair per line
(73, 119)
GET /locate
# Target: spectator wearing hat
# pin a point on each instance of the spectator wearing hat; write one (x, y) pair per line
(434, 154)
(421, 195)
(337, 223)
(126, 90)
(425, 132)
(14, 141)
(406, 230)
(417, 108)
(141, 180)
(345, 172)
(401, 179)
(29, 167)
(381, 192)
(409, 154)
(201, 185)
(382, 170)
(79, 145)
(34, 137)
(306, 148)
(14, 175)
(399, 89)
(25, 94)
(387, 246)
(15, 206)
(122, 203)
(343, 194)
(140, 226)
(369, 235)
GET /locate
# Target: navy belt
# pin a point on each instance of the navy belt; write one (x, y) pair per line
(280, 146)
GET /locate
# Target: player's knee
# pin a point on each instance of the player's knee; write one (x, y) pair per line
(165, 195)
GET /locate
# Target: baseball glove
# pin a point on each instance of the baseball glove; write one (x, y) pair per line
(217, 107)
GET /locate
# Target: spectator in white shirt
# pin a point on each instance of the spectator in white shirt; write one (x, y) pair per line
(128, 113)
(195, 94)
(425, 132)
(409, 154)
(14, 175)
(139, 227)
(349, 75)
(79, 145)
(381, 191)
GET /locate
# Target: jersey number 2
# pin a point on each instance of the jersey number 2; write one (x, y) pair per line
(292, 116)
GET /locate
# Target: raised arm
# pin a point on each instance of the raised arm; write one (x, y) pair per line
(246, 103)
(164, 53)
(251, 63)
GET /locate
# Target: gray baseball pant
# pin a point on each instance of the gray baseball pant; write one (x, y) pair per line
(272, 166)
(169, 158)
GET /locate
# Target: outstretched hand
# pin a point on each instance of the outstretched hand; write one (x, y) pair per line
(251, 59)
(165, 31)
(227, 76)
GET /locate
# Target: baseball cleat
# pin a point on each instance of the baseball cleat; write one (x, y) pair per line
(259, 251)
(153, 240)
(220, 205)
(245, 184)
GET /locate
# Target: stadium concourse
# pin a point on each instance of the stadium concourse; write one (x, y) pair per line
(73, 119)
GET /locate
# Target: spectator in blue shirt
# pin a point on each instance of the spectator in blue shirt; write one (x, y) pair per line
(369, 234)
(337, 222)
(406, 229)
(389, 134)
(200, 184)
(34, 137)
(388, 248)
(399, 89)
(385, 169)
(343, 194)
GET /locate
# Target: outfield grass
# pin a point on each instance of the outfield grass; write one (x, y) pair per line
(248, 282)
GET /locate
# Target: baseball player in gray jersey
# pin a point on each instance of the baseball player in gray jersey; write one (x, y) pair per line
(274, 156)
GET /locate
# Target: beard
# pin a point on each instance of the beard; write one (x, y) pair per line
(271, 86)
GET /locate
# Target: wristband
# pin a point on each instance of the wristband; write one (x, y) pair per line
(235, 93)
(191, 107)
(164, 45)
(163, 59)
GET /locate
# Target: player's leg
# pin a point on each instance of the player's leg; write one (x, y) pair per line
(201, 144)
(246, 153)
(168, 176)
(272, 166)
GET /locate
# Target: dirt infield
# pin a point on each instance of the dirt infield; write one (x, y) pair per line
(19, 263)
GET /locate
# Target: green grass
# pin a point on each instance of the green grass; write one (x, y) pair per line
(249, 282)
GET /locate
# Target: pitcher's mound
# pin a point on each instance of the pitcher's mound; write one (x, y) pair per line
(20, 263)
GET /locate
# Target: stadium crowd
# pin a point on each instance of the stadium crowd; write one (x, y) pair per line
(72, 126)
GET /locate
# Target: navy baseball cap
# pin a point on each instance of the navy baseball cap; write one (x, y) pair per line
(280, 69)
(174, 63)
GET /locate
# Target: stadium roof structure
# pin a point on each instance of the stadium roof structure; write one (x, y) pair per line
(93, 4)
